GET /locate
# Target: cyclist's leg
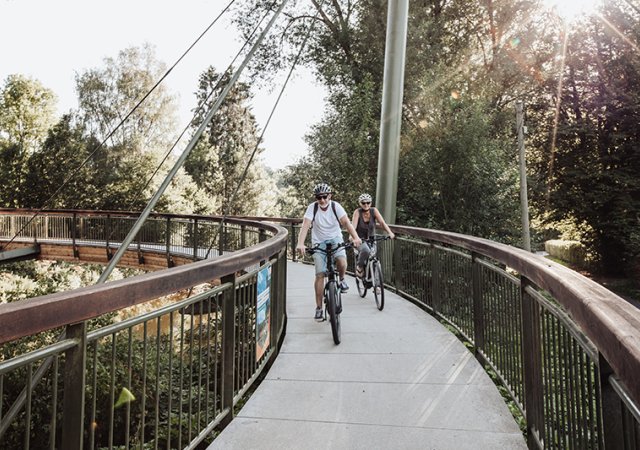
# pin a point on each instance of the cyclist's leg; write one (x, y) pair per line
(365, 251)
(341, 264)
(320, 260)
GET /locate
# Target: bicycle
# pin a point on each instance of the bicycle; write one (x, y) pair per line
(372, 276)
(332, 295)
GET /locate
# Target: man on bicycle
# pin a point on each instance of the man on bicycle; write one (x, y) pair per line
(326, 216)
(365, 219)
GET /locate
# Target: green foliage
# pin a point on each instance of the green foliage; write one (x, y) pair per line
(592, 168)
(26, 113)
(218, 161)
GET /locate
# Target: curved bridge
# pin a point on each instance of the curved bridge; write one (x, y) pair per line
(566, 350)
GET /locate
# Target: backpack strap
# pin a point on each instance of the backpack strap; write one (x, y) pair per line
(333, 207)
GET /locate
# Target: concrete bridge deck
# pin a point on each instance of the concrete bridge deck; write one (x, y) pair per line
(398, 380)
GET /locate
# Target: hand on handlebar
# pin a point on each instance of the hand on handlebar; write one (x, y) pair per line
(301, 249)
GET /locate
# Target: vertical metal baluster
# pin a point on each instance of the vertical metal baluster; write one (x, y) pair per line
(170, 387)
(143, 402)
(207, 401)
(593, 412)
(54, 401)
(579, 398)
(190, 386)
(156, 425)
(182, 331)
(94, 399)
(546, 394)
(127, 425)
(27, 412)
(199, 389)
(217, 362)
(112, 382)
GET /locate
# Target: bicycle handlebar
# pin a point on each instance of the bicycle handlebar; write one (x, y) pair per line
(312, 250)
(376, 238)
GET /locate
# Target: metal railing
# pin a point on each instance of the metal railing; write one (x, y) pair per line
(138, 362)
(565, 349)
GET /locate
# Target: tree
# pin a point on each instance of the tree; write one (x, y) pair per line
(124, 166)
(26, 113)
(107, 94)
(61, 155)
(592, 166)
(217, 162)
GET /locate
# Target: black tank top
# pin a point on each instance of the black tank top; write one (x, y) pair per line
(366, 229)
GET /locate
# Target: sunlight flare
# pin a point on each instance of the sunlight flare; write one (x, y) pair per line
(570, 10)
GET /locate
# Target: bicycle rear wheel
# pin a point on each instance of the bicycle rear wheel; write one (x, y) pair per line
(378, 286)
(333, 305)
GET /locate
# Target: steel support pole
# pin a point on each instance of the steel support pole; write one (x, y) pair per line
(391, 115)
(524, 202)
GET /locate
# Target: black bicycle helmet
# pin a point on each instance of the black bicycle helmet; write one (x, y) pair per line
(321, 188)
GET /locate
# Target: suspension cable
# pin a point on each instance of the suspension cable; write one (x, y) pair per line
(185, 153)
(255, 149)
(112, 132)
(199, 109)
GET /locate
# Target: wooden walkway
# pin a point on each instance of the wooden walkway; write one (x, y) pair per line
(398, 380)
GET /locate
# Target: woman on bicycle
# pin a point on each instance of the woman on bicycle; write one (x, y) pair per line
(364, 219)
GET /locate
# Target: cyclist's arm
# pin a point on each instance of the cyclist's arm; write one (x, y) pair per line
(345, 222)
(384, 224)
(306, 224)
(356, 216)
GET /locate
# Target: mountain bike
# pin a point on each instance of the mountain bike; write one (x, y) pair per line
(332, 295)
(372, 276)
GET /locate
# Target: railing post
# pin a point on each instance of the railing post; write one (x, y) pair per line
(74, 387)
(612, 429)
(168, 242)
(435, 278)
(397, 266)
(243, 236)
(275, 305)
(532, 365)
(195, 239)
(222, 245)
(294, 256)
(478, 304)
(107, 229)
(228, 345)
(74, 232)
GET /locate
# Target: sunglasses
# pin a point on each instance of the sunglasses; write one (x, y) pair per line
(365, 203)
(321, 197)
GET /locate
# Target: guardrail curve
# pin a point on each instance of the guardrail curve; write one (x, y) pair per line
(566, 349)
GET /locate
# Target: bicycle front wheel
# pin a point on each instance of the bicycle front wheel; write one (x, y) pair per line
(362, 289)
(378, 286)
(334, 306)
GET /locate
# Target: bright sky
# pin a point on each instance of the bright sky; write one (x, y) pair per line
(53, 40)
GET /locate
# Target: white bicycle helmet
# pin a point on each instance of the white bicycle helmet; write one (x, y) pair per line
(321, 188)
(364, 198)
